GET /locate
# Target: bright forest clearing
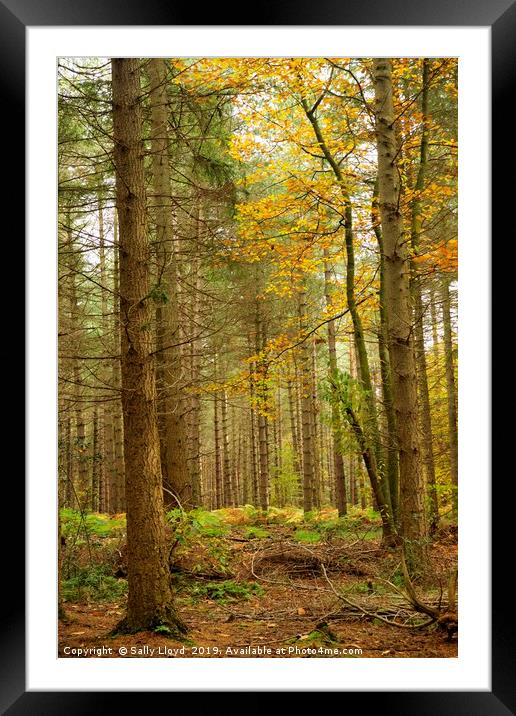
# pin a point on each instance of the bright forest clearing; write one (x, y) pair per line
(258, 356)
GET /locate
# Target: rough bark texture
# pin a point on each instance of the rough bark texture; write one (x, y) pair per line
(385, 371)
(419, 333)
(451, 393)
(399, 307)
(118, 422)
(150, 599)
(176, 477)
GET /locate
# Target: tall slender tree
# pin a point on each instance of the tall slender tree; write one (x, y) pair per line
(400, 325)
(174, 463)
(150, 601)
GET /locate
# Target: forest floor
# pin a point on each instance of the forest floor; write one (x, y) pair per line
(260, 586)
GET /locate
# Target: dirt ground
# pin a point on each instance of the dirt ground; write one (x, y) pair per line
(297, 613)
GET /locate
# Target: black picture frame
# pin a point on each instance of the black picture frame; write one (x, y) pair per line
(500, 15)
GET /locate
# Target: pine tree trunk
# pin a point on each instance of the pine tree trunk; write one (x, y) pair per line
(216, 438)
(97, 484)
(419, 333)
(119, 504)
(150, 602)
(306, 411)
(279, 444)
(353, 491)
(451, 393)
(81, 448)
(338, 459)
(292, 409)
(107, 477)
(226, 465)
(399, 310)
(262, 397)
(176, 478)
(69, 463)
(246, 469)
(252, 446)
(195, 403)
(385, 371)
(314, 412)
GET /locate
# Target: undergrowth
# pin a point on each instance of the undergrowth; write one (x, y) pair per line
(227, 591)
(93, 584)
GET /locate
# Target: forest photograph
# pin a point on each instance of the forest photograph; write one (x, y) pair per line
(257, 281)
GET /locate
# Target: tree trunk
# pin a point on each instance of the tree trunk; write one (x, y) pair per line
(252, 446)
(69, 464)
(385, 371)
(306, 411)
(176, 477)
(353, 492)
(338, 459)
(279, 445)
(292, 409)
(195, 403)
(216, 439)
(150, 602)
(262, 397)
(226, 465)
(246, 469)
(105, 447)
(98, 485)
(118, 422)
(371, 431)
(399, 309)
(419, 333)
(314, 413)
(81, 448)
(451, 393)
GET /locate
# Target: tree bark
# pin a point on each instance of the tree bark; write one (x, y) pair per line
(451, 393)
(292, 409)
(150, 603)
(252, 444)
(226, 465)
(385, 371)
(419, 333)
(195, 367)
(218, 461)
(338, 459)
(176, 478)
(306, 411)
(314, 413)
(105, 441)
(219, 488)
(262, 399)
(118, 421)
(98, 485)
(401, 348)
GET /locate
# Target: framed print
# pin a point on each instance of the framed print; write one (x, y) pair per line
(264, 251)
